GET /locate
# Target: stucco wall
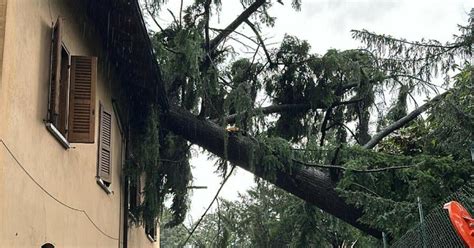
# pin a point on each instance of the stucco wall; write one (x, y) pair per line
(3, 8)
(137, 237)
(28, 216)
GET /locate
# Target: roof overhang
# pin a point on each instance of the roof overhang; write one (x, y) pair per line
(127, 44)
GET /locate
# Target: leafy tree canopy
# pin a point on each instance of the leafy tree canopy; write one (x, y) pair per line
(318, 118)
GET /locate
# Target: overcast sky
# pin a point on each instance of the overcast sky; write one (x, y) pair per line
(326, 24)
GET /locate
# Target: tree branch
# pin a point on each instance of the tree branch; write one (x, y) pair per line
(252, 26)
(402, 122)
(323, 130)
(152, 15)
(278, 108)
(249, 69)
(207, 13)
(248, 47)
(339, 167)
(347, 128)
(209, 207)
(268, 110)
(237, 32)
(448, 46)
(235, 24)
(181, 14)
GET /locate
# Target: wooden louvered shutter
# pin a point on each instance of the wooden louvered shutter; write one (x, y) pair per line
(82, 99)
(53, 107)
(104, 167)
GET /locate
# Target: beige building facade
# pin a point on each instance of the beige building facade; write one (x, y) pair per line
(61, 181)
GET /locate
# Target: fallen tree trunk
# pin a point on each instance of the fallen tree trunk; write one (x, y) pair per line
(309, 184)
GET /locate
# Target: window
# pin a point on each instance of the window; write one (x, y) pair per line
(104, 162)
(134, 197)
(60, 120)
(47, 245)
(71, 106)
(150, 230)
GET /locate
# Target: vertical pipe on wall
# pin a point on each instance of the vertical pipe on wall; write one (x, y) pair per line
(123, 226)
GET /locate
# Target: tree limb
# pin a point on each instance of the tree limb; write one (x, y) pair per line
(207, 13)
(152, 15)
(402, 122)
(347, 128)
(236, 23)
(181, 14)
(174, 17)
(279, 108)
(209, 207)
(252, 26)
(339, 167)
(247, 46)
(236, 32)
(448, 46)
(323, 130)
(269, 110)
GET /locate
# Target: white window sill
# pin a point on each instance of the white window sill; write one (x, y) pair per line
(132, 216)
(150, 238)
(102, 184)
(55, 132)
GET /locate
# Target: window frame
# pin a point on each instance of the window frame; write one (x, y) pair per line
(133, 196)
(53, 127)
(151, 232)
(62, 98)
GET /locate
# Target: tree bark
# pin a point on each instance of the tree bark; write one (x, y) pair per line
(309, 184)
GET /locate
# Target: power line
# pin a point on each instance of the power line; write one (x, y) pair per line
(52, 196)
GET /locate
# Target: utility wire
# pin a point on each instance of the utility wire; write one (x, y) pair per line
(209, 207)
(52, 196)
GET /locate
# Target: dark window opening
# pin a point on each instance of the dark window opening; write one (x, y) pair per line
(133, 197)
(63, 104)
(47, 245)
(150, 230)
